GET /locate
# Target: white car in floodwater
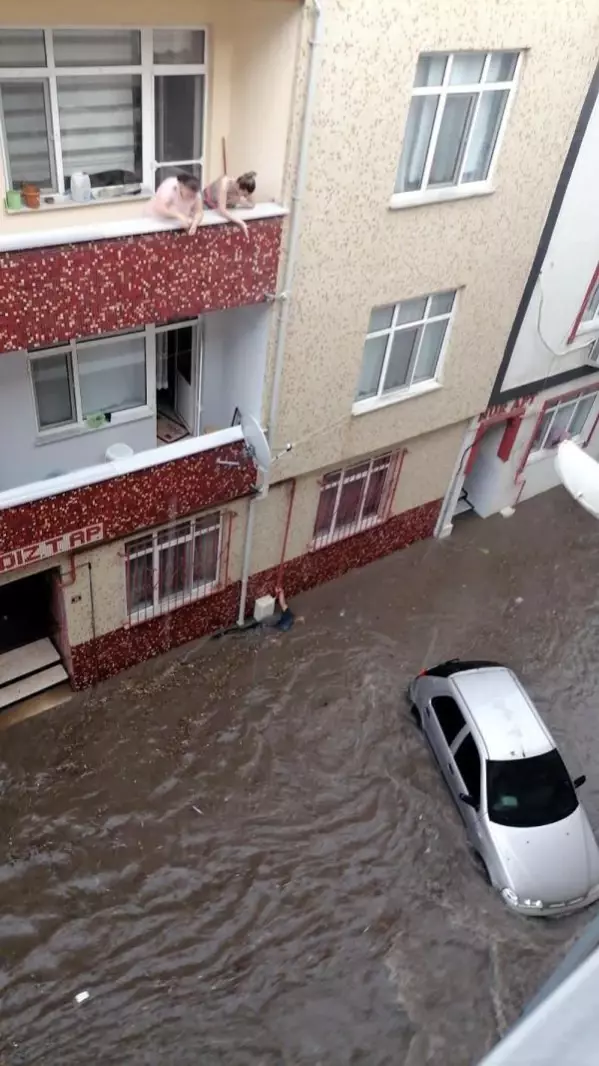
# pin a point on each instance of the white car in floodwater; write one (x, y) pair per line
(519, 804)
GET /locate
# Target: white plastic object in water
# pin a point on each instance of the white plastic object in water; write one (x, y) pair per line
(264, 607)
(579, 474)
(118, 451)
(81, 189)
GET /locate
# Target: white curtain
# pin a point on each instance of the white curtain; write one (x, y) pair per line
(161, 361)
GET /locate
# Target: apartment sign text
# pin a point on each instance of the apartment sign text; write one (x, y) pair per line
(36, 553)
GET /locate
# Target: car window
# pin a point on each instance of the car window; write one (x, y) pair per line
(468, 763)
(449, 716)
(527, 792)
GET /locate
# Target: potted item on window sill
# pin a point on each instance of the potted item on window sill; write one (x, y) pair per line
(13, 199)
(31, 195)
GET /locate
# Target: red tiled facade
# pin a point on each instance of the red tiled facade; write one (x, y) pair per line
(125, 504)
(50, 295)
(125, 647)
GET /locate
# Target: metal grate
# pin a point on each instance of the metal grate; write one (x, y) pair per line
(356, 498)
(177, 564)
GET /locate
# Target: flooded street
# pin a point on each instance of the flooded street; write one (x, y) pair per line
(244, 853)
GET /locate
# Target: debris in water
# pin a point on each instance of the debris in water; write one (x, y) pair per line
(197, 810)
(507, 512)
(81, 997)
(519, 599)
(485, 551)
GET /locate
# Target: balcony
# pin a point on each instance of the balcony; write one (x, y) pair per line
(129, 106)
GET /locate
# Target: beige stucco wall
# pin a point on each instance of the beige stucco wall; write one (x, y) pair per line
(252, 55)
(355, 252)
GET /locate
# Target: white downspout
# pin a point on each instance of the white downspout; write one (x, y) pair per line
(293, 236)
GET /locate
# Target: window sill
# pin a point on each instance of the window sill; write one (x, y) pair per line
(135, 225)
(56, 202)
(145, 614)
(401, 200)
(343, 534)
(119, 418)
(377, 403)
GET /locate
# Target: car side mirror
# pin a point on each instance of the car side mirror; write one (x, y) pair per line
(468, 800)
(578, 781)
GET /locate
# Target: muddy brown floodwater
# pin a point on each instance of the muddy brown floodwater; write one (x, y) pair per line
(243, 851)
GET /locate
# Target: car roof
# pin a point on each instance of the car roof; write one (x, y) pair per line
(504, 717)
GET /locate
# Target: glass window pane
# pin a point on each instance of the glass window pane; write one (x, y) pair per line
(28, 133)
(350, 499)
(179, 46)
(112, 376)
(380, 318)
(97, 48)
(430, 350)
(411, 310)
(205, 557)
(169, 171)
(179, 117)
(100, 125)
(582, 412)
(430, 70)
(53, 387)
(441, 303)
(326, 510)
(539, 439)
(592, 305)
(416, 141)
(141, 582)
(372, 364)
(560, 424)
(502, 66)
(451, 141)
(22, 48)
(399, 367)
(374, 493)
(467, 68)
(173, 569)
(484, 135)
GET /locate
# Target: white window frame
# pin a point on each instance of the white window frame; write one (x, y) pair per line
(177, 599)
(404, 392)
(460, 190)
(542, 451)
(79, 423)
(146, 69)
(379, 462)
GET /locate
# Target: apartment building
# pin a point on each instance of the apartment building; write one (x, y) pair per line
(547, 384)
(359, 327)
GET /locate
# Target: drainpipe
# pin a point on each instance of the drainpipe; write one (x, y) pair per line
(298, 191)
(293, 236)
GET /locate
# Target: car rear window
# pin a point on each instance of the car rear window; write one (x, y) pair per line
(529, 792)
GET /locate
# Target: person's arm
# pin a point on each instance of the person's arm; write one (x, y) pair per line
(224, 210)
(198, 214)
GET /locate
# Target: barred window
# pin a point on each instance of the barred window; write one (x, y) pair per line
(172, 566)
(352, 499)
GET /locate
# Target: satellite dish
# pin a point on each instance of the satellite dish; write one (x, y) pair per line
(256, 443)
(579, 474)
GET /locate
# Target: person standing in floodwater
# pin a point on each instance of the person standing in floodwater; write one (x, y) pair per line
(179, 198)
(227, 193)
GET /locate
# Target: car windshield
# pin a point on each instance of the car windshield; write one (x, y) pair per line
(527, 792)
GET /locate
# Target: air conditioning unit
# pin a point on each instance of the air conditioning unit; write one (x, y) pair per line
(592, 355)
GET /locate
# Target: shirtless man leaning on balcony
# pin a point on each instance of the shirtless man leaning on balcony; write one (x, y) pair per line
(180, 198)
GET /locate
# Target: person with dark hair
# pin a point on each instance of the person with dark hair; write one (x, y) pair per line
(179, 197)
(225, 193)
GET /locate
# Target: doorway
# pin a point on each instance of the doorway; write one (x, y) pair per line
(31, 633)
(178, 378)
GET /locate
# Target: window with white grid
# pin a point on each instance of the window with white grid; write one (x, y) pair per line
(351, 499)
(124, 105)
(565, 419)
(80, 380)
(404, 345)
(173, 566)
(458, 107)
